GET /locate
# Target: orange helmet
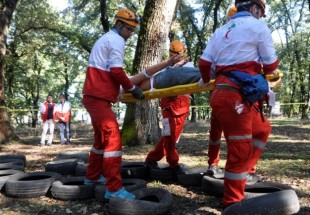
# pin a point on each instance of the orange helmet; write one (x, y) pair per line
(177, 47)
(127, 16)
(231, 11)
(261, 3)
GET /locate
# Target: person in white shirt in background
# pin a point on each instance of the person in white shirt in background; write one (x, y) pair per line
(47, 110)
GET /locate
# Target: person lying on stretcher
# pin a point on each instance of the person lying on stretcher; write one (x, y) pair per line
(175, 71)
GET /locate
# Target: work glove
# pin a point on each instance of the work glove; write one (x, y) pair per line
(202, 84)
(137, 93)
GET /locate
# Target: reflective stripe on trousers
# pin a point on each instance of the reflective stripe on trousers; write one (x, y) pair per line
(241, 137)
(235, 176)
(106, 154)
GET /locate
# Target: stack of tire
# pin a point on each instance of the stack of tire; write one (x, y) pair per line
(73, 165)
(10, 165)
(14, 182)
(63, 179)
(260, 198)
(150, 201)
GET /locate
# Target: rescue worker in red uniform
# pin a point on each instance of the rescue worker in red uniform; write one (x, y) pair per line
(215, 127)
(174, 112)
(105, 75)
(243, 44)
(216, 134)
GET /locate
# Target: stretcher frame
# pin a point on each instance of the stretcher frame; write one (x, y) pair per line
(180, 90)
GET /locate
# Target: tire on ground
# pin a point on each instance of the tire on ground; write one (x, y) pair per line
(130, 184)
(164, 175)
(192, 177)
(14, 161)
(63, 166)
(8, 166)
(81, 169)
(29, 185)
(150, 201)
(73, 154)
(134, 170)
(5, 174)
(14, 156)
(215, 187)
(72, 188)
(282, 202)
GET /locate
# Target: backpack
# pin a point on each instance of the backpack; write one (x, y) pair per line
(253, 87)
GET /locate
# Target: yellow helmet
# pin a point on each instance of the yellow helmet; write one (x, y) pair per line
(231, 11)
(177, 47)
(127, 16)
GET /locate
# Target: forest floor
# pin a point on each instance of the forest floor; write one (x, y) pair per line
(285, 160)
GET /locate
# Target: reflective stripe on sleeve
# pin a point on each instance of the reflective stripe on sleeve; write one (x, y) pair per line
(259, 144)
(112, 154)
(96, 151)
(235, 176)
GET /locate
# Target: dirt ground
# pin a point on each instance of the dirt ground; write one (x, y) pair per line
(286, 160)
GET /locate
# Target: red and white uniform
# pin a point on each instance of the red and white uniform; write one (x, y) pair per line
(48, 122)
(44, 111)
(174, 113)
(64, 110)
(243, 44)
(105, 75)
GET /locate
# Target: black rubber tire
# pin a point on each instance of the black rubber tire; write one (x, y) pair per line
(14, 161)
(215, 187)
(165, 175)
(259, 191)
(130, 184)
(134, 170)
(73, 154)
(14, 156)
(72, 188)
(8, 166)
(5, 174)
(81, 169)
(149, 201)
(192, 177)
(29, 185)
(282, 202)
(63, 166)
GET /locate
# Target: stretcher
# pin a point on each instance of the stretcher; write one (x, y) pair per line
(180, 90)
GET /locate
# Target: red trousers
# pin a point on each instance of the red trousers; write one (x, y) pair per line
(176, 116)
(106, 153)
(246, 136)
(214, 141)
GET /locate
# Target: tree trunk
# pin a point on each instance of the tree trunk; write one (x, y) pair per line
(104, 18)
(141, 124)
(6, 12)
(216, 8)
(67, 81)
(193, 109)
